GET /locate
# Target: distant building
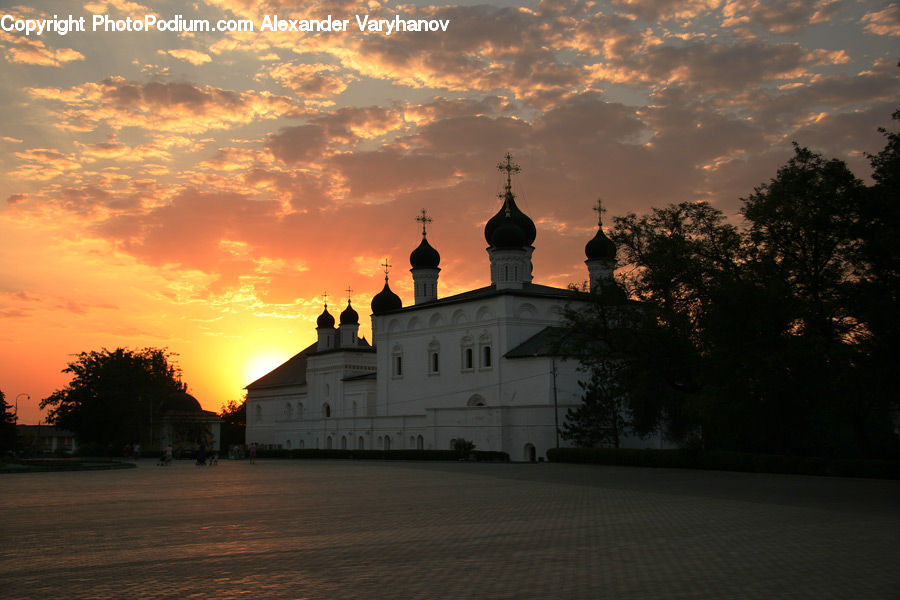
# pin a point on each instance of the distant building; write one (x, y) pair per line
(44, 439)
(477, 365)
(184, 423)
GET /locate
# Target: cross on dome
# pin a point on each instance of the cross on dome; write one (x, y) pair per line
(599, 210)
(424, 219)
(510, 168)
(386, 268)
(349, 292)
(325, 296)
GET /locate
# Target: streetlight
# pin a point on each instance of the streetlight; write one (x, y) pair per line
(16, 419)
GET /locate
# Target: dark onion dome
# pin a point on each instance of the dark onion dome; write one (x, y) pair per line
(600, 247)
(325, 320)
(181, 401)
(519, 218)
(508, 235)
(424, 256)
(349, 316)
(385, 300)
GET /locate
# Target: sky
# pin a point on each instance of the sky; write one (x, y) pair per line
(202, 191)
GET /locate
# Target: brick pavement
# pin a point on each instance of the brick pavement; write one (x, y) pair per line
(335, 529)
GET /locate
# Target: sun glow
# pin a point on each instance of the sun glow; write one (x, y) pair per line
(260, 364)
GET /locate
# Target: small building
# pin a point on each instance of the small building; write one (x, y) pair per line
(45, 439)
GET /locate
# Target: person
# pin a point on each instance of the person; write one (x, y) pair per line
(214, 460)
(201, 455)
(252, 453)
(136, 450)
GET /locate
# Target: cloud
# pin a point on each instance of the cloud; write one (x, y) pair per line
(41, 164)
(171, 107)
(27, 51)
(192, 56)
(314, 81)
(883, 22)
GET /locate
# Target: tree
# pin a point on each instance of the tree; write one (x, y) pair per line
(7, 425)
(115, 396)
(234, 422)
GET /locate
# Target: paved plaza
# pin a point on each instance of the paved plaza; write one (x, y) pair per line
(342, 529)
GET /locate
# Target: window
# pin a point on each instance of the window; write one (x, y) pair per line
(361, 443)
(300, 411)
(387, 442)
(328, 443)
(326, 410)
(258, 413)
(486, 357)
(467, 358)
(343, 442)
(398, 366)
(434, 349)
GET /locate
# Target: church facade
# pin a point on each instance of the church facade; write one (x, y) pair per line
(477, 366)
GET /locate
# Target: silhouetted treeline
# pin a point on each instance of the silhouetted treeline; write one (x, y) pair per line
(777, 336)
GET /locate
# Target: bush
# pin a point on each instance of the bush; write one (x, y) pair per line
(691, 458)
(479, 455)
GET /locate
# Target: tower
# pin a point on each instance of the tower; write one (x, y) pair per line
(349, 324)
(424, 261)
(510, 235)
(385, 300)
(325, 329)
(601, 255)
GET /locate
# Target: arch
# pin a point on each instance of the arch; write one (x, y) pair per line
(525, 310)
(530, 453)
(459, 316)
(393, 326)
(453, 444)
(300, 411)
(436, 320)
(343, 442)
(302, 445)
(420, 443)
(414, 323)
(387, 442)
(288, 411)
(484, 314)
(326, 410)
(287, 444)
(476, 400)
(328, 443)
(360, 443)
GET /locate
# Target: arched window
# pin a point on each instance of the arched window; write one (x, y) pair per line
(420, 443)
(434, 350)
(361, 443)
(328, 443)
(475, 400)
(486, 356)
(302, 444)
(343, 442)
(387, 442)
(397, 361)
(326, 410)
(287, 444)
(288, 411)
(300, 411)
(259, 411)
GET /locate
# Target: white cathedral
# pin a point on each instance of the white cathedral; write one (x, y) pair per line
(476, 366)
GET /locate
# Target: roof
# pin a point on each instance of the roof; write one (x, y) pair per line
(540, 344)
(529, 290)
(292, 372)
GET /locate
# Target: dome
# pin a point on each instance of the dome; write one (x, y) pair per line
(508, 235)
(325, 320)
(424, 257)
(385, 300)
(181, 401)
(523, 221)
(600, 247)
(349, 316)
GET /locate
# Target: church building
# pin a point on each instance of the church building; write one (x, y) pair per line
(476, 366)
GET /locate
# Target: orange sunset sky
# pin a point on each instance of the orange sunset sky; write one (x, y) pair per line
(200, 191)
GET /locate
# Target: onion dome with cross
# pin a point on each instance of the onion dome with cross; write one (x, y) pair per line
(385, 300)
(510, 210)
(424, 256)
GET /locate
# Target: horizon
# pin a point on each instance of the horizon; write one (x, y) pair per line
(201, 191)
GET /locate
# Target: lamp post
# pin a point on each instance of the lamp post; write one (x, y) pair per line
(16, 420)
